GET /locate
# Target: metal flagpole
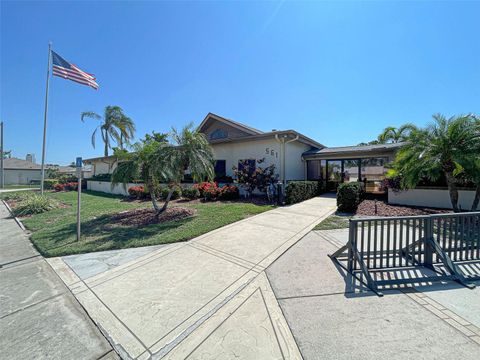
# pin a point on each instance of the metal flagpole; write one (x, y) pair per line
(45, 115)
(2, 176)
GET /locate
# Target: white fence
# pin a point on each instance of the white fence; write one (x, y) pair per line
(435, 198)
(106, 187)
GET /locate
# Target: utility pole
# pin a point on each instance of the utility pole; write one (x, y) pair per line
(2, 176)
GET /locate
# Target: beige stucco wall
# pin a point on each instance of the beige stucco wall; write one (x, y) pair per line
(21, 177)
(264, 148)
(106, 187)
(437, 198)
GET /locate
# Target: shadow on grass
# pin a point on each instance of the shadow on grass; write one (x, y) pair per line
(101, 234)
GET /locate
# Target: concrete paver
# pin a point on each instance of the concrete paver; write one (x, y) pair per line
(152, 306)
(39, 317)
(332, 316)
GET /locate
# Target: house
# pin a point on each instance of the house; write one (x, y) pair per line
(295, 155)
(20, 172)
(24, 172)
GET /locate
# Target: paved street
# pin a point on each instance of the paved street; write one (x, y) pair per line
(207, 298)
(39, 317)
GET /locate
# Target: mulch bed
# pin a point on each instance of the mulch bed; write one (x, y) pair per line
(143, 217)
(367, 208)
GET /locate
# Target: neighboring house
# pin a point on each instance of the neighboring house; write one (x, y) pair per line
(20, 172)
(295, 156)
(24, 172)
(101, 165)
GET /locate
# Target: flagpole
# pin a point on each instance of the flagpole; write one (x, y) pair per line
(45, 116)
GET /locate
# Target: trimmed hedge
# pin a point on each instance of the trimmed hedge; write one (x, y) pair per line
(349, 196)
(101, 177)
(48, 184)
(298, 191)
(177, 193)
(190, 193)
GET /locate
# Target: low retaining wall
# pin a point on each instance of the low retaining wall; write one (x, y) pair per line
(106, 187)
(436, 198)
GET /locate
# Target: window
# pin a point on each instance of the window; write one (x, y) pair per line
(218, 134)
(250, 163)
(220, 168)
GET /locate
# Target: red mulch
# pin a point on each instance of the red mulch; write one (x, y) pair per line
(367, 208)
(143, 217)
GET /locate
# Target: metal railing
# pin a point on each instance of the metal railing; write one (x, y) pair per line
(389, 243)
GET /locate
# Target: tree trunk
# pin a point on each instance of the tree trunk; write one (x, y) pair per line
(106, 144)
(476, 200)
(152, 196)
(452, 188)
(167, 200)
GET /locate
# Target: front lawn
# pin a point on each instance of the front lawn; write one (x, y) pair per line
(54, 232)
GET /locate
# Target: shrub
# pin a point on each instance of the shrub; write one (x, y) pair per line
(228, 192)
(191, 193)
(177, 193)
(71, 186)
(204, 186)
(101, 177)
(251, 178)
(225, 179)
(298, 191)
(137, 192)
(349, 196)
(34, 204)
(48, 184)
(211, 194)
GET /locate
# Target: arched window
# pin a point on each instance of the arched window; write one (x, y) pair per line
(218, 134)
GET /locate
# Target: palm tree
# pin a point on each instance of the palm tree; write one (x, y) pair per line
(156, 160)
(394, 135)
(437, 150)
(115, 126)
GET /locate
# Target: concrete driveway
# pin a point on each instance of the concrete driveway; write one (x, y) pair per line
(207, 298)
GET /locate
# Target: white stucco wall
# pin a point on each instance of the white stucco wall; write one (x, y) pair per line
(264, 148)
(21, 177)
(437, 198)
(106, 187)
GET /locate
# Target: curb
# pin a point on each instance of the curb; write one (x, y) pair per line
(17, 220)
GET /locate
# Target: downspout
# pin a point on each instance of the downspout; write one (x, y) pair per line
(282, 156)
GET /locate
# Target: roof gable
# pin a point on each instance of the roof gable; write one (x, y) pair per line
(216, 128)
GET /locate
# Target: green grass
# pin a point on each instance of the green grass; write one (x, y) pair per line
(54, 232)
(8, 187)
(334, 222)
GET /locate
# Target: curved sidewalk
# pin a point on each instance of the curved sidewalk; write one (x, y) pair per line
(205, 298)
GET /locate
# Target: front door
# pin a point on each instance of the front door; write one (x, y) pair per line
(334, 174)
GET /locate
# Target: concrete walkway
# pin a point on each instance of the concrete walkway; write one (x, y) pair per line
(39, 317)
(207, 298)
(333, 316)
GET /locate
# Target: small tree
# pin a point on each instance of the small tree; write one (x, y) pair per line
(252, 178)
(155, 160)
(438, 150)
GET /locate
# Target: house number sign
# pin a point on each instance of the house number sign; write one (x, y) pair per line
(271, 152)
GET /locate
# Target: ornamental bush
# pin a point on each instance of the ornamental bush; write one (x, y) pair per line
(101, 177)
(190, 193)
(34, 204)
(349, 196)
(204, 186)
(228, 192)
(48, 184)
(137, 192)
(298, 191)
(177, 193)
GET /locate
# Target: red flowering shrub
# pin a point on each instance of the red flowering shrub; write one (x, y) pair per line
(70, 186)
(228, 192)
(211, 187)
(211, 193)
(137, 192)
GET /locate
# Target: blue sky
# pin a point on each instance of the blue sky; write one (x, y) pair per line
(338, 72)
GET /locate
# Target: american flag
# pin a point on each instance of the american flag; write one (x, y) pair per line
(64, 69)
